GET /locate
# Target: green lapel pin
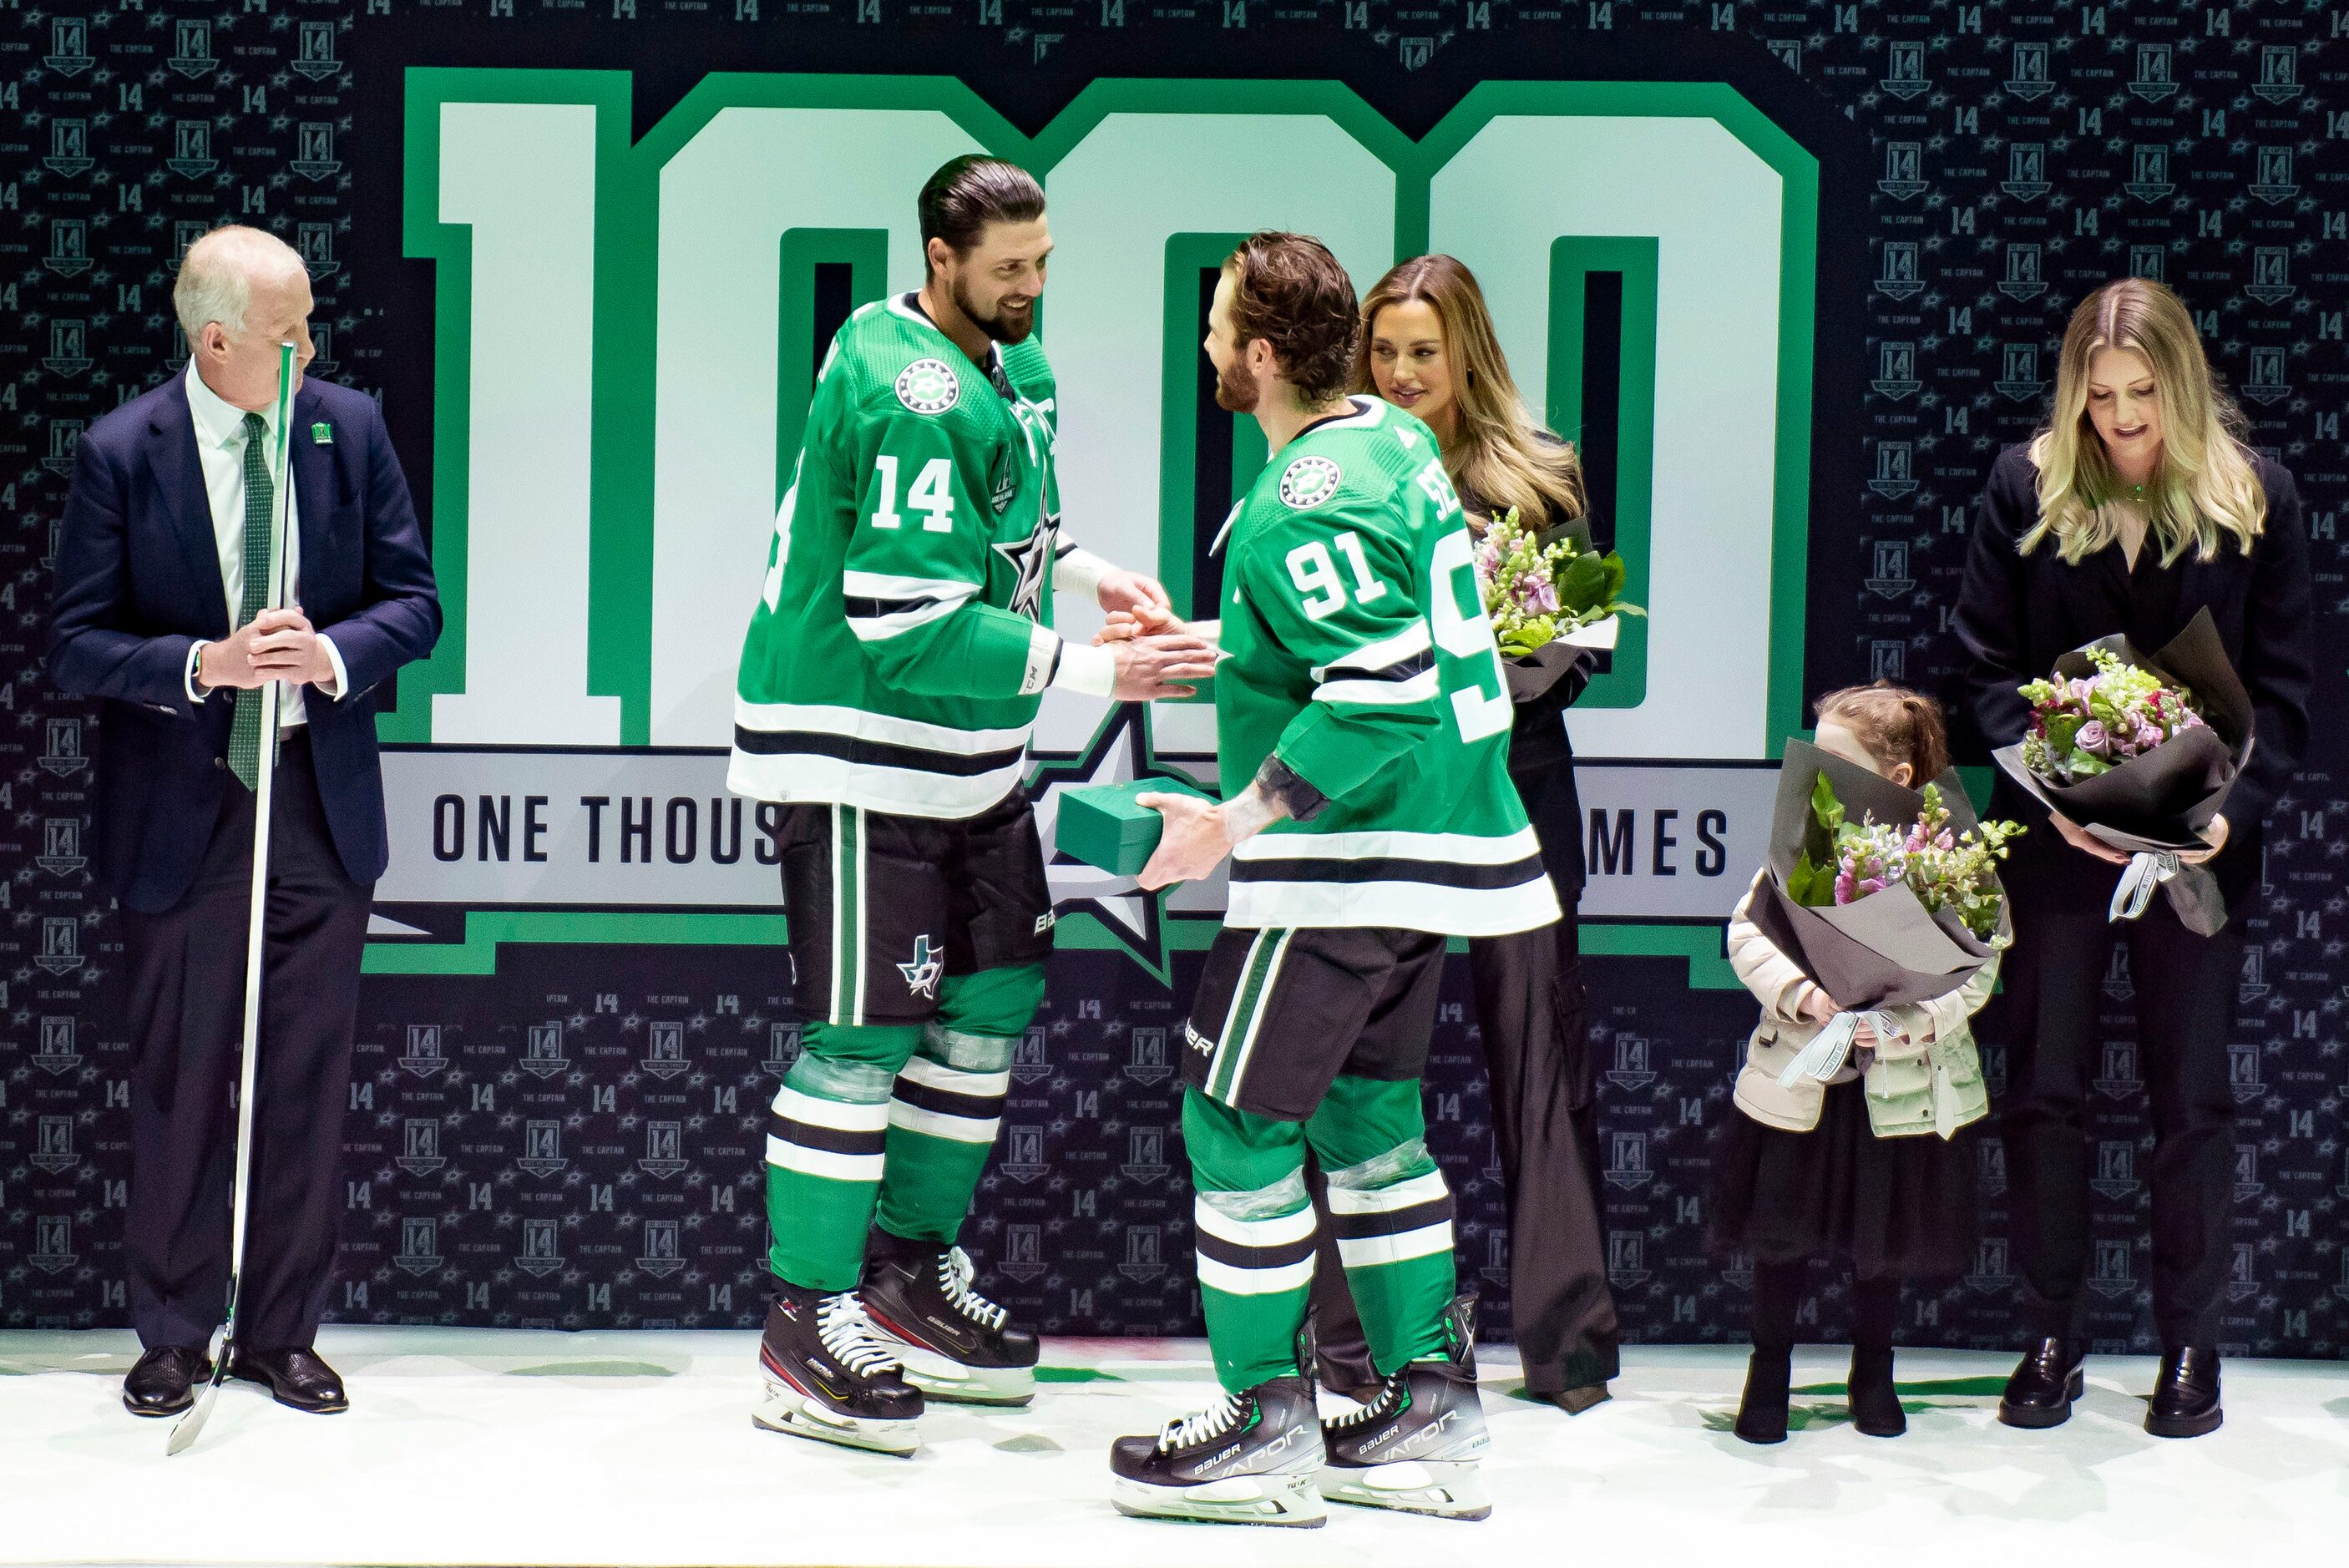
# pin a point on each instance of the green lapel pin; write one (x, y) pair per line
(322, 434)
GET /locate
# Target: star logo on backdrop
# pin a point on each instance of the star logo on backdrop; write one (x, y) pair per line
(1119, 752)
(1032, 558)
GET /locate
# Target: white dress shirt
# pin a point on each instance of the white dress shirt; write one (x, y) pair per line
(220, 443)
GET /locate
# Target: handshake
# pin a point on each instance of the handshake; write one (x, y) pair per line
(1156, 652)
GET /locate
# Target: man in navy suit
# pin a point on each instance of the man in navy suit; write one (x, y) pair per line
(161, 577)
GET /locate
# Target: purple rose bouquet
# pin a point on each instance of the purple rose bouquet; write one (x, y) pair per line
(2086, 725)
(1535, 593)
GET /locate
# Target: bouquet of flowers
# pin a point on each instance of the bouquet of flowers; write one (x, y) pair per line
(2140, 751)
(2082, 727)
(1947, 868)
(1550, 587)
(1901, 904)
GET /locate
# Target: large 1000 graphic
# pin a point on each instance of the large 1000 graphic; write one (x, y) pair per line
(626, 336)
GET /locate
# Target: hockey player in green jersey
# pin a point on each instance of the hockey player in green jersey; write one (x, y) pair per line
(888, 685)
(1362, 724)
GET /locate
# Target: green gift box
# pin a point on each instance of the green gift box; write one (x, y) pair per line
(1103, 827)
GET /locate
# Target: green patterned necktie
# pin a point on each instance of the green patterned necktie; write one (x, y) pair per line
(244, 739)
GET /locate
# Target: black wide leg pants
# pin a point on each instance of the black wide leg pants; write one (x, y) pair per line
(1529, 1014)
(2047, 1018)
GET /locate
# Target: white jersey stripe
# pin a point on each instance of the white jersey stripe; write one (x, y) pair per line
(1460, 848)
(1368, 1251)
(881, 628)
(1278, 1231)
(841, 1116)
(955, 1080)
(1425, 1189)
(888, 585)
(1406, 905)
(1421, 688)
(1232, 1281)
(1416, 638)
(1246, 1047)
(900, 791)
(939, 1124)
(777, 717)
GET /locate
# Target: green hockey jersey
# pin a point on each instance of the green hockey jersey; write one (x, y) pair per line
(904, 635)
(1360, 654)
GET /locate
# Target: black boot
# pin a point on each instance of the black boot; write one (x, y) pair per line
(2044, 1384)
(1762, 1413)
(1875, 1402)
(1777, 1294)
(2185, 1402)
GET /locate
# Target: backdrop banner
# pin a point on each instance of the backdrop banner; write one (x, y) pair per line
(1790, 274)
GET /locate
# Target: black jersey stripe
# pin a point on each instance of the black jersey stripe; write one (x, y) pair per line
(1394, 1223)
(872, 753)
(946, 1101)
(1281, 1254)
(831, 1140)
(1403, 669)
(1436, 874)
(874, 609)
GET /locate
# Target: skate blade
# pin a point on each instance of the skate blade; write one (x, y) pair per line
(1288, 1499)
(785, 1410)
(945, 1379)
(1444, 1488)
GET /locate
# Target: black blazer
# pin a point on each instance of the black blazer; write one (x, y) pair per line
(139, 581)
(2017, 613)
(1541, 757)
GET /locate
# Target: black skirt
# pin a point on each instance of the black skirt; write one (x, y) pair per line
(1887, 1206)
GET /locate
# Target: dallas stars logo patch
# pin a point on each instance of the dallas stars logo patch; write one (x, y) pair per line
(922, 973)
(928, 386)
(1032, 558)
(1308, 481)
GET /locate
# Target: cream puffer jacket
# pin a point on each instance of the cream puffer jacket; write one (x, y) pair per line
(1926, 1079)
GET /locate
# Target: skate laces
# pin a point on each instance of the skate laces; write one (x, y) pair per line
(1214, 1421)
(1389, 1391)
(955, 1275)
(847, 1336)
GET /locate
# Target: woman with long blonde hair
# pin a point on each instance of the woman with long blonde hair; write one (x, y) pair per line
(1427, 346)
(2140, 504)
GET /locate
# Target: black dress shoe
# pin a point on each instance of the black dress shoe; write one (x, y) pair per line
(2185, 1402)
(2045, 1382)
(1574, 1401)
(296, 1377)
(163, 1382)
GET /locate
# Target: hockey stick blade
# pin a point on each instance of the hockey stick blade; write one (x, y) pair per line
(190, 1426)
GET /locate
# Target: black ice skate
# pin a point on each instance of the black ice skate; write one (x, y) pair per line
(956, 1344)
(828, 1377)
(1414, 1448)
(1249, 1458)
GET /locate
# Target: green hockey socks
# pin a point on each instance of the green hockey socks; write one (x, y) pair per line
(893, 1118)
(1390, 1210)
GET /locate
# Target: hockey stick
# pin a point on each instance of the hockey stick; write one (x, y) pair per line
(189, 1426)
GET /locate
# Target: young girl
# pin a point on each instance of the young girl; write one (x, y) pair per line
(1867, 1167)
